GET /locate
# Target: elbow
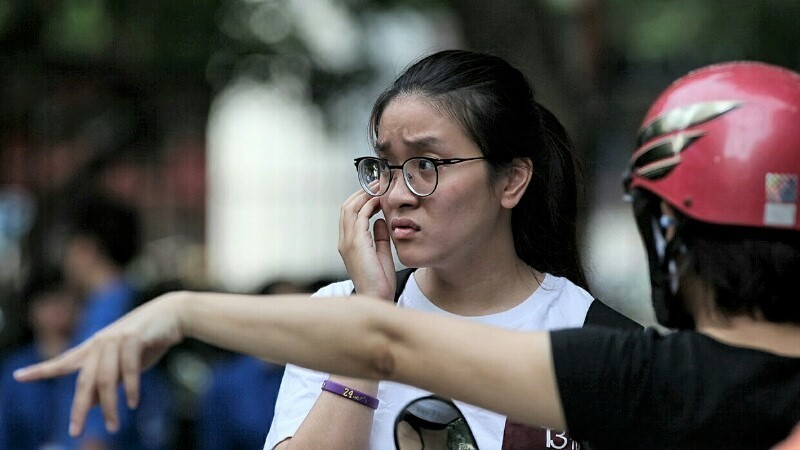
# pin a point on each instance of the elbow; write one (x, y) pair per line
(382, 339)
(383, 352)
(384, 362)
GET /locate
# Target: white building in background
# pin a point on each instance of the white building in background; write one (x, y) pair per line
(275, 186)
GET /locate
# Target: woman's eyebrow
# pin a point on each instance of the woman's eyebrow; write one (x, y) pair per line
(423, 142)
(417, 143)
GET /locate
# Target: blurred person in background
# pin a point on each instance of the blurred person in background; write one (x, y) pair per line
(102, 237)
(714, 186)
(27, 412)
(236, 408)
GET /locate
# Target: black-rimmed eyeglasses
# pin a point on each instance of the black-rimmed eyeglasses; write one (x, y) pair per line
(420, 173)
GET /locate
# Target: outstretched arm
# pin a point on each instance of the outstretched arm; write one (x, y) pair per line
(505, 371)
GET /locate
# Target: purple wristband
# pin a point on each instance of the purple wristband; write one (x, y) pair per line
(350, 394)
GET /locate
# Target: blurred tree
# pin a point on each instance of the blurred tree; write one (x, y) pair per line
(582, 54)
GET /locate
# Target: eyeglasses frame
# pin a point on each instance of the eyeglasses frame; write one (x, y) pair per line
(435, 161)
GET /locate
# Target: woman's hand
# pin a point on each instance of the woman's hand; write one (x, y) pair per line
(120, 351)
(367, 256)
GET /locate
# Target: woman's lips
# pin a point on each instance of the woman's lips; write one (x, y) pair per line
(403, 228)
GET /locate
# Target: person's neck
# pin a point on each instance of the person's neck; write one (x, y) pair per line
(481, 286)
(749, 332)
(740, 330)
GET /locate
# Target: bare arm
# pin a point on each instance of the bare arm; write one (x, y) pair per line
(333, 422)
(501, 370)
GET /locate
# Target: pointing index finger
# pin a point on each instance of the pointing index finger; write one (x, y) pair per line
(61, 365)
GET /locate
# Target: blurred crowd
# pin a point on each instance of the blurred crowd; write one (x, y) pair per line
(199, 397)
(102, 209)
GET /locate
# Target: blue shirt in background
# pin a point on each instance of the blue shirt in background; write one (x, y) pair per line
(236, 410)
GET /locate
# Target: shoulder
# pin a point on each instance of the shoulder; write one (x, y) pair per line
(337, 289)
(651, 348)
(574, 302)
(566, 300)
(566, 290)
(597, 340)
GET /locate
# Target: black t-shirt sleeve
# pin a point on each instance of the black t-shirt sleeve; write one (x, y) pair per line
(601, 375)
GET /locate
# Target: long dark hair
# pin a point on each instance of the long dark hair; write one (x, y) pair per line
(495, 105)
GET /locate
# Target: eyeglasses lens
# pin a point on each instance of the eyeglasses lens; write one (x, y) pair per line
(420, 176)
(373, 177)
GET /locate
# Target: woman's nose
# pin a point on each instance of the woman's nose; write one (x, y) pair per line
(398, 192)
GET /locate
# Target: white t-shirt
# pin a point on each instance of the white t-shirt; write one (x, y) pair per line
(557, 303)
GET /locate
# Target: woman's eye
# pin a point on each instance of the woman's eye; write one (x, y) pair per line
(424, 164)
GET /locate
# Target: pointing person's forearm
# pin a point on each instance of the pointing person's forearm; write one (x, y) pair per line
(286, 328)
(361, 337)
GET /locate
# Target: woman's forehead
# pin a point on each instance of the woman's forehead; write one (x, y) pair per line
(413, 122)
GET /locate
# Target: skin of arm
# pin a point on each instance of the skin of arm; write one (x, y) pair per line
(358, 336)
(334, 422)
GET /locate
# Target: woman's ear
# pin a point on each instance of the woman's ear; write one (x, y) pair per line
(515, 182)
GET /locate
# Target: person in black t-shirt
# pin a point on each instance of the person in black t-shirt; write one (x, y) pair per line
(714, 187)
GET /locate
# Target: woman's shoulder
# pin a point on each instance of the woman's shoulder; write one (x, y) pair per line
(565, 303)
(336, 289)
(565, 293)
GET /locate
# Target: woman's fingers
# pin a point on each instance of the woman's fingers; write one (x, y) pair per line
(354, 221)
(353, 205)
(66, 363)
(107, 381)
(366, 253)
(114, 353)
(131, 364)
(380, 230)
(85, 393)
(348, 212)
(100, 360)
(371, 207)
(348, 219)
(87, 357)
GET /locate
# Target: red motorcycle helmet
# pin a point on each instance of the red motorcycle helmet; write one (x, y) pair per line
(722, 146)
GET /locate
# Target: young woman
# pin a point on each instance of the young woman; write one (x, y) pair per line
(714, 181)
(477, 185)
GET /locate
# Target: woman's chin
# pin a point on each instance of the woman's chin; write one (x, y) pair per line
(412, 259)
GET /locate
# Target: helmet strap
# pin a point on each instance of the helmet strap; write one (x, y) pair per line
(662, 258)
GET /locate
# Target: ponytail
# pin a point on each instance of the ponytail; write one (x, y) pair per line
(545, 222)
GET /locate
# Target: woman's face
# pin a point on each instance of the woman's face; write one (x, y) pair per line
(459, 221)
